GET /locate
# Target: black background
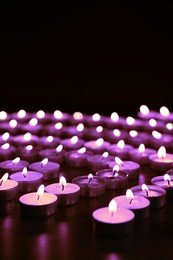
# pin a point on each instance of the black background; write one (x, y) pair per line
(90, 57)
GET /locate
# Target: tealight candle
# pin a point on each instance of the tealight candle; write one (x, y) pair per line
(138, 204)
(120, 149)
(53, 154)
(21, 116)
(135, 138)
(114, 178)
(155, 194)
(25, 139)
(164, 114)
(93, 120)
(75, 130)
(29, 153)
(141, 154)
(114, 121)
(98, 146)
(32, 127)
(50, 170)
(4, 116)
(7, 152)
(166, 182)
(28, 180)
(161, 160)
(12, 166)
(114, 135)
(49, 141)
(43, 117)
(77, 158)
(132, 168)
(90, 186)
(77, 118)
(61, 117)
(56, 129)
(11, 126)
(132, 123)
(38, 204)
(157, 139)
(145, 113)
(8, 188)
(97, 162)
(73, 143)
(113, 221)
(4, 138)
(67, 193)
(93, 133)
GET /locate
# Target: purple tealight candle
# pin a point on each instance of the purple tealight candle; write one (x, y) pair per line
(7, 152)
(114, 135)
(4, 117)
(161, 161)
(77, 158)
(165, 115)
(114, 178)
(42, 117)
(165, 182)
(67, 193)
(132, 123)
(38, 204)
(12, 166)
(8, 188)
(28, 180)
(120, 149)
(49, 141)
(92, 133)
(98, 146)
(93, 120)
(145, 113)
(53, 154)
(59, 116)
(29, 153)
(157, 139)
(141, 154)
(56, 129)
(114, 121)
(4, 138)
(50, 170)
(113, 221)
(74, 130)
(97, 162)
(155, 194)
(32, 127)
(21, 116)
(90, 186)
(138, 204)
(73, 143)
(135, 138)
(11, 126)
(77, 118)
(24, 139)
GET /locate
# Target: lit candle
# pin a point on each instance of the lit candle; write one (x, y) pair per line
(59, 116)
(161, 160)
(132, 168)
(75, 130)
(53, 154)
(4, 138)
(93, 120)
(73, 143)
(43, 117)
(166, 182)
(98, 146)
(155, 194)
(32, 126)
(38, 204)
(132, 123)
(114, 178)
(25, 139)
(8, 188)
(145, 113)
(67, 193)
(113, 221)
(114, 121)
(56, 129)
(138, 204)
(90, 186)
(76, 118)
(12, 166)
(165, 115)
(158, 139)
(28, 180)
(97, 162)
(141, 154)
(93, 133)
(120, 149)
(29, 153)
(77, 158)
(114, 135)
(21, 116)
(50, 170)
(4, 116)
(49, 141)
(11, 126)
(135, 138)
(7, 152)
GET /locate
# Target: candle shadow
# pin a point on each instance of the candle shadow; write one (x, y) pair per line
(9, 208)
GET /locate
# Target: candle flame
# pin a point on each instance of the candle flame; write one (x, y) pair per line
(5, 136)
(116, 169)
(133, 133)
(99, 142)
(96, 117)
(59, 148)
(77, 115)
(27, 136)
(5, 146)
(74, 139)
(3, 115)
(141, 148)
(16, 160)
(116, 132)
(62, 181)
(121, 144)
(99, 129)
(13, 123)
(105, 154)
(21, 113)
(40, 191)
(144, 187)
(169, 126)
(161, 152)
(24, 171)
(44, 162)
(40, 114)
(166, 177)
(29, 147)
(156, 134)
(33, 122)
(58, 125)
(152, 122)
(80, 127)
(112, 207)
(4, 178)
(49, 139)
(118, 160)
(58, 114)
(114, 117)
(164, 111)
(130, 120)
(144, 110)
(129, 194)
(82, 150)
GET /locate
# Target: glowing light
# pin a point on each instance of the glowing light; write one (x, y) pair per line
(99, 129)
(96, 117)
(16, 160)
(82, 150)
(40, 114)
(5, 136)
(161, 153)
(114, 117)
(4, 177)
(156, 134)
(129, 194)
(21, 113)
(164, 111)
(29, 147)
(24, 171)
(169, 126)
(13, 123)
(90, 176)
(105, 154)
(152, 122)
(116, 132)
(141, 148)
(40, 191)
(130, 120)
(58, 114)
(27, 137)
(133, 133)
(77, 115)
(33, 122)
(49, 139)
(74, 139)
(62, 182)
(116, 169)
(121, 144)
(144, 110)
(167, 177)
(145, 188)
(44, 162)
(5, 146)
(80, 127)
(59, 148)
(58, 125)
(112, 207)
(3, 115)
(99, 142)
(118, 160)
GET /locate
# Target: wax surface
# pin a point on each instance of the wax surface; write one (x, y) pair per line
(83, 181)
(127, 165)
(56, 188)
(32, 199)
(138, 202)
(154, 191)
(30, 176)
(122, 215)
(159, 181)
(8, 184)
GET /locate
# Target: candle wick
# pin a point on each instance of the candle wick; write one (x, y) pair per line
(62, 187)
(147, 193)
(24, 175)
(1, 182)
(130, 201)
(112, 214)
(169, 184)
(89, 181)
(42, 165)
(38, 197)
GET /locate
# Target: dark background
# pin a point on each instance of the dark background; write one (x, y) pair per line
(91, 57)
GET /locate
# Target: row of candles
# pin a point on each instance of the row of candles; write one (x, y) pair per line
(38, 200)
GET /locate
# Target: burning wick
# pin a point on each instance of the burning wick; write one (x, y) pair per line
(90, 177)
(4, 178)
(145, 188)
(129, 195)
(116, 170)
(40, 191)
(167, 178)
(62, 182)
